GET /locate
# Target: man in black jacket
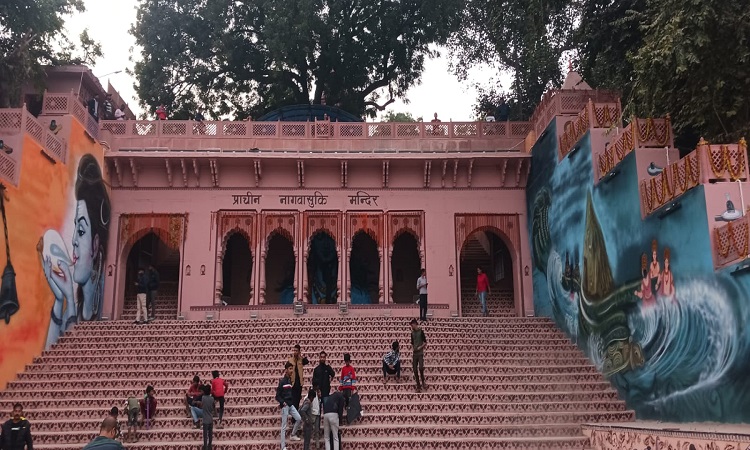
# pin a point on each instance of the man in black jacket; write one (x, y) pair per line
(322, 377)
(285, 398)
(333, 413)
(16, 432)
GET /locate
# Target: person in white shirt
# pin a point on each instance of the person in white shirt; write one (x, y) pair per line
(315, 411)
(422, 288)
(120, 113)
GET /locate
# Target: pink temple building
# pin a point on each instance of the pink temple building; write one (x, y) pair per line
(249, 217)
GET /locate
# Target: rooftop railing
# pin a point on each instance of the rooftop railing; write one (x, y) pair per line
(14, 121)
(61, 104)
(640, 133)
(726, 162)
(317, 130)
(593, 115)
(731, 241)
(567, 103)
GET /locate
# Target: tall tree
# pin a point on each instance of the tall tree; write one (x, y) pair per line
(695, 65)
(525, 37)
(28, 30)
(391, 116)
(244, 58)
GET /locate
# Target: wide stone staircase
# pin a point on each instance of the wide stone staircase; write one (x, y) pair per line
(495, 383)
(166, 303)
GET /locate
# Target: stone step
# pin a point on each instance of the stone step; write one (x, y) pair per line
(361, 430)
(235, 375)
(386, 412)
(437, 394)
(381, 443)
(269, 380)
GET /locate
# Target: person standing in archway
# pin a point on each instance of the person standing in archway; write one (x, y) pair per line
(483, 289)
(153, 288)
(422, 288)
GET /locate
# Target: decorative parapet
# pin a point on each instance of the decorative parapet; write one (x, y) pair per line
(568, 103)
(321, 129)
(640, 133)
(706, 163)
(594, 115)
(17, 121)
(61, 104)
(731, 241)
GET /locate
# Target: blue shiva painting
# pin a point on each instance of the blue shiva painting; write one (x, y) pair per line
(639, 296)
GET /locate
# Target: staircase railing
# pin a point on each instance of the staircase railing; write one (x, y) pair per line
(731, 241)
(640, 133)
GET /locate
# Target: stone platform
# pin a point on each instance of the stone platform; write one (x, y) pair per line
(646, 435)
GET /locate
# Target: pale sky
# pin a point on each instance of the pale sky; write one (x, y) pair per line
(108, 23)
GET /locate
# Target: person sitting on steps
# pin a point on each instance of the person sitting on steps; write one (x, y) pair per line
(392, 363)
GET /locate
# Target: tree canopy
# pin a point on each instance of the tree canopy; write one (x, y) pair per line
(28, 31)
(524, 37)
(244, 58)
(392, 116)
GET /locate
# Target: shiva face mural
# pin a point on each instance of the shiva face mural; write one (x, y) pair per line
(76, 276)
(639, 296)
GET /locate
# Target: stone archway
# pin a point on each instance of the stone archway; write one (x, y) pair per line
(364, 269)
(500, 241)
(236, 269)
(406, 265)
(280, 269)
(322, 269)
(485, 249)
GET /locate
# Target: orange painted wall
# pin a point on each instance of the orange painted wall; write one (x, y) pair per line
(44, 200)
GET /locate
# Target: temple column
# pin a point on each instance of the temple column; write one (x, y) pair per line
(297, 277)
(251, 294)
(262, 278)
(339, 275)
(348, 276)
(390, 275)
(381, 282)
(306, 298)
(219, 275)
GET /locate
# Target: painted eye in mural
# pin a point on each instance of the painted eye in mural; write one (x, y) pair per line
(81, 231)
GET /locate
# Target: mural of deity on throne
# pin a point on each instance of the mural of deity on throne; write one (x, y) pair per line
(76, 278)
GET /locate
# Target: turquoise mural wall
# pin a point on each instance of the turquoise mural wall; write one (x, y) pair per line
(640, 297)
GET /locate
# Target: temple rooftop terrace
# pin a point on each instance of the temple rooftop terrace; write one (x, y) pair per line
(314, 137)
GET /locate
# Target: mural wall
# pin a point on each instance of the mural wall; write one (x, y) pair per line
(640, 297)
(58, 222)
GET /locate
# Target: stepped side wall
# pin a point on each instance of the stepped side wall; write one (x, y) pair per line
(42, 206)
(676, 356)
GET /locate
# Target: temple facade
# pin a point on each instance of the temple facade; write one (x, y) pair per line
(251, 217)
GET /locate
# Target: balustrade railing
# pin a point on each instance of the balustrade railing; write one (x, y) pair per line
(706, 163)
(639, 133)
(61, 104)
(593, 115)
(19, 120)
(731, 241)
(317, 129)
(557, 103)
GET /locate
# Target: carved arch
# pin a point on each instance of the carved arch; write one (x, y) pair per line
(280, 231)
(229, 234)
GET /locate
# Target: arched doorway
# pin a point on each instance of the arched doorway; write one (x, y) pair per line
(147, 251)
(405, 268)
(486, 249)
(364, 270)
(237, 269)
(322, 269)
(280, 265)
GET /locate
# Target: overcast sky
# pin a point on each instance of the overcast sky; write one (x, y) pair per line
(108, 23)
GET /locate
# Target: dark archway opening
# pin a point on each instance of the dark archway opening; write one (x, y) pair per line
(280, 266)
(237, 269)
(487, 250)
(405, 268)
(322, 270)
(364, 270)
(151, 250)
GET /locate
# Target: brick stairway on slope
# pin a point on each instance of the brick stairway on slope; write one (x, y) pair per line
(495, 383)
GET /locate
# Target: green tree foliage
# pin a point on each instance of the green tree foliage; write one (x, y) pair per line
(245, 58)
(28, 30)
(525, 37)
(488, 99)
(695, 65)
(391, 116)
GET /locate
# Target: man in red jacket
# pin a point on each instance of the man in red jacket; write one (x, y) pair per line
(483, 289)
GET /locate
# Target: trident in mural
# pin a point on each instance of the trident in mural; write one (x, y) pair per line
(8, 292)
